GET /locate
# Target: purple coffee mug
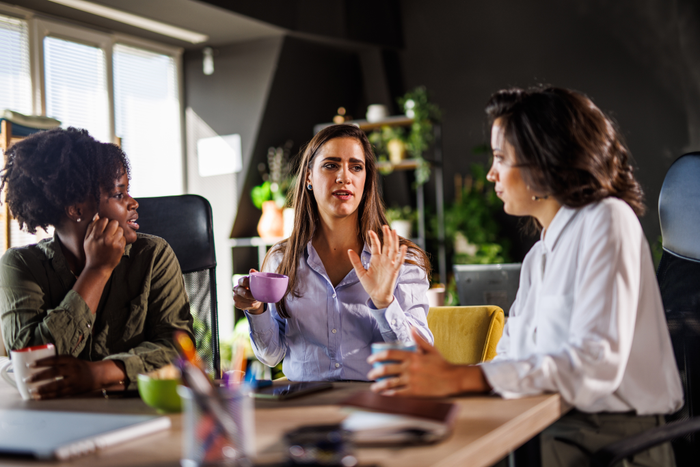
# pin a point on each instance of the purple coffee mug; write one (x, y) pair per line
(268, 287)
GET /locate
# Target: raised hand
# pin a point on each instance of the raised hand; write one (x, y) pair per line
(243, 298)
(104, 244)
(379, 280)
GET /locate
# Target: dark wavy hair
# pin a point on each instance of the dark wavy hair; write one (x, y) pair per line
(53, 169)
(566, 147)
(306, 218)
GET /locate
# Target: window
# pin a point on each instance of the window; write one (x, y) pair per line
(15, 78)
(76, 86)
(121, 89)
(147, 115)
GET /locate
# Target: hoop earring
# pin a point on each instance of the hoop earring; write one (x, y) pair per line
(309, 187)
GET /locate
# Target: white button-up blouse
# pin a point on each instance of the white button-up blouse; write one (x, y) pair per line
(588, 321)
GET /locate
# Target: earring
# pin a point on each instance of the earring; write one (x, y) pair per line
(78, 220)
(540, 198)
(309, 187)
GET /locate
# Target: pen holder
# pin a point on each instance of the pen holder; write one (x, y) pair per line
(204, 441)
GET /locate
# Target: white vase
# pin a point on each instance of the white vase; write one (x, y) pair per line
(288, 216)
(436, 296)
(402, 227)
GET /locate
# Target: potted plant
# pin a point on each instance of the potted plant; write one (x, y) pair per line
(271, 195)
(393, 143)
(402, 219)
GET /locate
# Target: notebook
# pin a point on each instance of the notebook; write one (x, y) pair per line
(63, 435)
(379, 421)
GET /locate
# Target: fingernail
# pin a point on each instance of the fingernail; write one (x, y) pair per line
(36, 397)
(95, 217)
(31, 390)
(27, 380)
(31, 365)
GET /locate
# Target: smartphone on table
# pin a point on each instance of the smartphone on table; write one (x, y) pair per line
(290, 390)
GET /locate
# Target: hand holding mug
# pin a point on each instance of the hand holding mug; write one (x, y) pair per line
(243, 297)
(22, 363)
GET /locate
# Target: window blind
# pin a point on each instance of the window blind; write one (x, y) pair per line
(147, 119)
(15, 79)
(76, 86)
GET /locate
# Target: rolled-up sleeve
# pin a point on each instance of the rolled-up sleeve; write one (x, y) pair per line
(168, 311)
(25, 323)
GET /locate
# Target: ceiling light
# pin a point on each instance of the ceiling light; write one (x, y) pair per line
(135, 20)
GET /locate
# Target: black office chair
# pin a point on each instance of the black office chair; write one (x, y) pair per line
(185, 222)
(679, 280)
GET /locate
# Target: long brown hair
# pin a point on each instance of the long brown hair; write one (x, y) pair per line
(566, 146)
(306, 217)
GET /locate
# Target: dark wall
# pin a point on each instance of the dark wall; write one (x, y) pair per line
(464, 51)
(370, 21)
(310, 82)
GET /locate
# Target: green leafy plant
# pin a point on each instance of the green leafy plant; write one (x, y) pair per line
(471, 230)
(276, 177)
(240, 341)
(417, 138)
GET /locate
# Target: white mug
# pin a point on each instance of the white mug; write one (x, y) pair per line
(21, 359)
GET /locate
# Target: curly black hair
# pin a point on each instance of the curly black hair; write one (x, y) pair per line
(51, 170)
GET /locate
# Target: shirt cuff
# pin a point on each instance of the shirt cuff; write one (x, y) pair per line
(82, 321)
(504, 377)
(390, 321)
(262, 323)
(133, 366)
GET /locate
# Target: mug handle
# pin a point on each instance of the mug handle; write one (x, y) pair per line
(4, 367)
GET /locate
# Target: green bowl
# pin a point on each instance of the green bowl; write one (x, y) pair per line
(161, 394)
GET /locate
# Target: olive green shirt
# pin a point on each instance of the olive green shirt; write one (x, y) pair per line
(143, 303)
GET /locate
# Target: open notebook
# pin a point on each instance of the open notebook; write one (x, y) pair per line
(379, 420)
(62, 435)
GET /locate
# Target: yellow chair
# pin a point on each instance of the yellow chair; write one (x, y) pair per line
(466, 334)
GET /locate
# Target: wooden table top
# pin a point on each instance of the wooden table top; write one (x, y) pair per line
(485, 430)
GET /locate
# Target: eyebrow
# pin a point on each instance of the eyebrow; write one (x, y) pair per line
(338, 159)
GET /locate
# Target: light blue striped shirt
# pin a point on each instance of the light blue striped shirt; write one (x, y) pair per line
(331, 329)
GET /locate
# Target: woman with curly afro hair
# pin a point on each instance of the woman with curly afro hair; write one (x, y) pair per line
(107, 297)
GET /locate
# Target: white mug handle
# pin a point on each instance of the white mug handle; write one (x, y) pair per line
(4, 367)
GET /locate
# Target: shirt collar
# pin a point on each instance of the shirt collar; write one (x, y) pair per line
(557, 226)
(315, 263)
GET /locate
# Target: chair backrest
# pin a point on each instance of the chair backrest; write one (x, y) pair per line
(185, 222)
(466, 334)
(679, 281)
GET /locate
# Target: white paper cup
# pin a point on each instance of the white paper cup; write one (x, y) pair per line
(21, 359)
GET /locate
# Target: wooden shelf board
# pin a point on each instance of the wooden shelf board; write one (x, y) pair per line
(406, 164)
(396, 120)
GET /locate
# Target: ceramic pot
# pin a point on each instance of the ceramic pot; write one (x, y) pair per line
(397, 150)
(436, 296)
(402, 227)
(271, 224)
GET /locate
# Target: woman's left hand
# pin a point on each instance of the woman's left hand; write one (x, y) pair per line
(379, 280)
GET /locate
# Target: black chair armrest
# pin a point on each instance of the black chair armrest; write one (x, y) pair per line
(619, 450)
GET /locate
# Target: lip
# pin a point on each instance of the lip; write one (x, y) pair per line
(343, 194)
(131, 222)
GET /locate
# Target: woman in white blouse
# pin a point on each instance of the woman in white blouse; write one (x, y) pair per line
(587, 321)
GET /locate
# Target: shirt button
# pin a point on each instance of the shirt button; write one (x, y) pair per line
(334, 295)
(337, 365)
(393, 322)
(334, 331)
